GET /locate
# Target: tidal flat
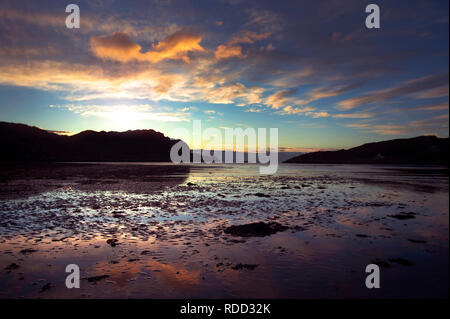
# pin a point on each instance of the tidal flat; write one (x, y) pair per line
(155, 230)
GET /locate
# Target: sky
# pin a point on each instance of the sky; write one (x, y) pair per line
(312, 69)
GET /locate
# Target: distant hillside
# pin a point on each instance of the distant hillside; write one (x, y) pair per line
(282, 156)
(417, 150)
(21, 142)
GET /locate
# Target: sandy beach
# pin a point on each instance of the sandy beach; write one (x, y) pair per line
(169, 231)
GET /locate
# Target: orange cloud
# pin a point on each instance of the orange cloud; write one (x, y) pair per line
(225, 52)
(356, 115)
(433, 107)
(232, 50)
(279, 99)
(428, 86)
(249, 37)
(120, 47)
(288, 110)
(229, 93)
(317, 115)
(439, 122)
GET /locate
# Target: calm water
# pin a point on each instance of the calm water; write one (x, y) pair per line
(171, 243)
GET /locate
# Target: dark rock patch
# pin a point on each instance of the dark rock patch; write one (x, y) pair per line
(236, 241)
(133, 260)
(403, 216)
(417, 241)
(261, 195)
(299, 228)
(46, 287)
(402, 261)
(96, 278)
(28, 251)
(244, 266)
(112, 242)
(381, 263)
(260, 229)
(12, 266)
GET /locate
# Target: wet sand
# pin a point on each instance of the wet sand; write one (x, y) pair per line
(168, 231)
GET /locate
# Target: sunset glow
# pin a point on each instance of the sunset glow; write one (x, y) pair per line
(313, 70)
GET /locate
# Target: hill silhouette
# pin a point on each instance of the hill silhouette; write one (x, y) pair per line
(417, 150)
(23, 143)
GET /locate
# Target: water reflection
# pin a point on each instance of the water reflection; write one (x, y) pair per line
(169, 240)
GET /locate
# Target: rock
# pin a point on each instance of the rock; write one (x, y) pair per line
(27, 251)
(244, 266)
(236, 241)
(117, 214)
(403, 216)
(260, 229)
(133, 260)
(261, 195)
(402, 261)
(112, 242)
(96, 278)
(417, 241)
(46, 287)
(299, 228)
(12, 266)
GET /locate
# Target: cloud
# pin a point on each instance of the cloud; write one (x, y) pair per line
(127, 113)
(289, 110)
(265, 20)
(280, 98)
(227, 51)
(60, 132)
(248, 37)
(304, 149)
(232, 49)
(210, 112)
(81, 82)
(356, 115)
(432, 107)
(417, 127)
(90, 23)
(434, 93)
(112, 58)
(308, 111)
(120, 47)
(253, 110)
(237, 92)
(357, 125)
(317, 115)
(320, 93)
(408, 88)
